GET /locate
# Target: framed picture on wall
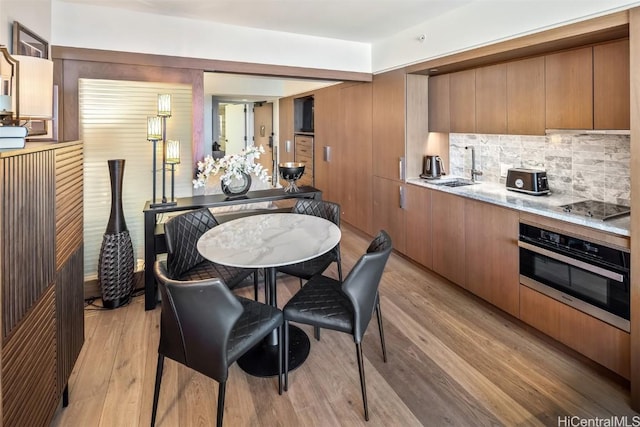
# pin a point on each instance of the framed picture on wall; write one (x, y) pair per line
(28, 43)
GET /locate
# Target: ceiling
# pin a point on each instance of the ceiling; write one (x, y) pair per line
(364, 21)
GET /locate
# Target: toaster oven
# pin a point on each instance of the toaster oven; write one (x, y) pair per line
(529, 181)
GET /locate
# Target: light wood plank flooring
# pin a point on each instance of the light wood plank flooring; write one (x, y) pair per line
(453, 360)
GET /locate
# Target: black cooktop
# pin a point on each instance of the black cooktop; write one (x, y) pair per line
(596, 209)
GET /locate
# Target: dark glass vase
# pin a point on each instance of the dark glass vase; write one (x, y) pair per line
(237, 187)
(116, 262)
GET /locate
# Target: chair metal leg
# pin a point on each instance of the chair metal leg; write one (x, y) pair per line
(339, 270)
(300, 278)
(156, 392)
(255, 285)
(286, 354)
(381, 329)
(221, 390)
(363, 385)
(280, 345)
(316, 332)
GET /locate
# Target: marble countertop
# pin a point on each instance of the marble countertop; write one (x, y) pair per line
(547, 205)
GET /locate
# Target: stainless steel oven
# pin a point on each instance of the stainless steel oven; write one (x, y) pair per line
(588, 276)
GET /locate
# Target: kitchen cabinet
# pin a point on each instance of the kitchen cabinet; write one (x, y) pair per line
(439, 104)
(285, 132)
(417, 206)
(601, 342)
(448, 236)
(304, 154)
(491, 99)
(611, 85)
(526, 97)
(356, 154)
(462, 93)
(388, 213)
(328, 143)
(492, 254)
(388, 124)
(569, 89)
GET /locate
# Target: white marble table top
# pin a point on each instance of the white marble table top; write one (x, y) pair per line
(269, 240)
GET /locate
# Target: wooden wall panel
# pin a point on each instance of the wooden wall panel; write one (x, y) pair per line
(69, 210)
(69, 315)
(29, 381)
(28, 194)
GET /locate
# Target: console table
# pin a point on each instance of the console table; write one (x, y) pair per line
(154, 243)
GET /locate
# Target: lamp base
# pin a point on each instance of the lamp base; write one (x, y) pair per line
(162, 204)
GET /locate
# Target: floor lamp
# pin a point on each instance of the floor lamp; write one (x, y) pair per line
(157, 131)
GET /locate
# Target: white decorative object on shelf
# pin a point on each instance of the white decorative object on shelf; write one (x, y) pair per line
(231, 166)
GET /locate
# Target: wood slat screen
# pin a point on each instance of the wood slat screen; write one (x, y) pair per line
(69, 315)
(69, 209)
(28, 233)
(29, 381)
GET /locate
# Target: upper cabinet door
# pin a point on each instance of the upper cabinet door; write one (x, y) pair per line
(388, 124)
(462, 91)
(525, 97)
(611, 85)
(491, 99)
(439, 103)
(569, 89)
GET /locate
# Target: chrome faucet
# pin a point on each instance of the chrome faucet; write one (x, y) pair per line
(474, 172)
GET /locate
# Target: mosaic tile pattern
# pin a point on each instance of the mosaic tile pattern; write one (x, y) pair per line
(587, 166)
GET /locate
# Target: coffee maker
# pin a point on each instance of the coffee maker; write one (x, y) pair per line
(432, 167)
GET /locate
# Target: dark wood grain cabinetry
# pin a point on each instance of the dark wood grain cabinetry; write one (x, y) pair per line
(42, 278)
(611, 85)
(417, 206)
(526, 97)
(492, 254)
(448, 236)
(569, 89)
(462, 92)
(491, 99)
(439, 115)
(388, 213)
(388, 124)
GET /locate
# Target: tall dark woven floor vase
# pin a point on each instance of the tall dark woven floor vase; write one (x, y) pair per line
(116, 262)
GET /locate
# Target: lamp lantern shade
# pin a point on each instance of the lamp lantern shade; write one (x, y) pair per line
(172, 153)
(164, 105)
(154, 128)
(35, 88)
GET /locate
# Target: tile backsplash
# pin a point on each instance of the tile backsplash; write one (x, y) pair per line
(582, 166)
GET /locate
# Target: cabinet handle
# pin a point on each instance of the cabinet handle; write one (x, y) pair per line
(401, 168)
(401, 197)
(327, 154)
(287, 146)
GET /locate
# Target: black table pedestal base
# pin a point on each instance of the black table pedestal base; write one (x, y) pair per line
(262, 360)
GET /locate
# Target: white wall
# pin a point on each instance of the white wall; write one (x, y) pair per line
(33, 14)
(484, 22)
(108, 28)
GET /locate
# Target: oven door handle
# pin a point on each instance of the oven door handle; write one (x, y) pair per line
(574, 262)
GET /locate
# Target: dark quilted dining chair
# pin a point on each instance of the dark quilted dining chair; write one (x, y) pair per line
(205, 327)
(307, 269)
(343, 306)
(184, 262)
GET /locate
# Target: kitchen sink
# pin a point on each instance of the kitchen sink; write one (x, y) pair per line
(455, 182)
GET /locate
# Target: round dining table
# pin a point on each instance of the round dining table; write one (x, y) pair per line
(269, 241)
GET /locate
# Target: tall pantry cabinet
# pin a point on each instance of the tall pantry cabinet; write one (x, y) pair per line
(41, 278)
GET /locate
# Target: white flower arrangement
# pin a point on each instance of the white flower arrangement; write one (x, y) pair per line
(232, 166)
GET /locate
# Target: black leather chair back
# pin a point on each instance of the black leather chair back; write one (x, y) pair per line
(182, 233)
(196, 322)
(362, 282)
